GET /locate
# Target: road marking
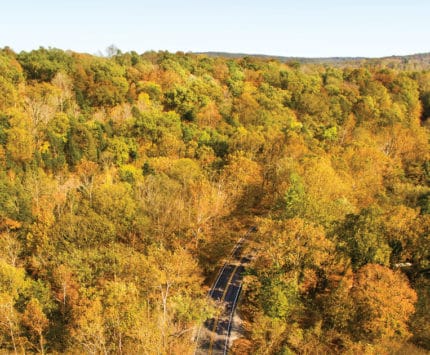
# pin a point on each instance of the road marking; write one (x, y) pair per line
(212, 290)
(227, 337)
(242, 240)
(239, 242)
(222, 299)
(233, 308)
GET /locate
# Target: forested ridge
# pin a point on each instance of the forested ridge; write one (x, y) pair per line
(417, 61)
(125, 180)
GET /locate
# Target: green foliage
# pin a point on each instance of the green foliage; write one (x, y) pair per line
(114, 203)
(12, 280)
(295, 196)
(330, 134)
(54, 154)
(424, 203)
(153, 124)
(364, 238)
(425, 99)
(42, 64)
(80, 144)
(279, 298)
(11, 77)
(14, 201)
(99, 82)
(131, 174)
(120, 150)
(184, 101)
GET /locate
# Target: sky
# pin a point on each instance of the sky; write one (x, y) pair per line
(301, 28)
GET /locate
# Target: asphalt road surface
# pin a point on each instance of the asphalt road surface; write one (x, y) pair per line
(214, 337)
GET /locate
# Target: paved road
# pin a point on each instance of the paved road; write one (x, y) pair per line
(214, 337)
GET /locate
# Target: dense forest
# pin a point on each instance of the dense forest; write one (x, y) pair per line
(126, 178)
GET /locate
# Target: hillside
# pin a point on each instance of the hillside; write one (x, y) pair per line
(413, 61)
(126, 180)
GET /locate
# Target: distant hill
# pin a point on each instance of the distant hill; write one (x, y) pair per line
(282, 58)
(414, 61)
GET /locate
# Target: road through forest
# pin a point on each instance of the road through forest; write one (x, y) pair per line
(214, 336)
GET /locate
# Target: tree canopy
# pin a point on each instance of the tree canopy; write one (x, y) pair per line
(125, 180)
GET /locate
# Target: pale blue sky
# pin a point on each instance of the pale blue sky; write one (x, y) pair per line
(290, 28)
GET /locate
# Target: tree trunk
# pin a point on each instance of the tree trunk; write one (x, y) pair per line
(42, 350)
(164, 296)
(12, 335)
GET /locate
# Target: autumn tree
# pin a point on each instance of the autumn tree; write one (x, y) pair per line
(36, 322)
(384, 301)
(364, 239)
(12, 286)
